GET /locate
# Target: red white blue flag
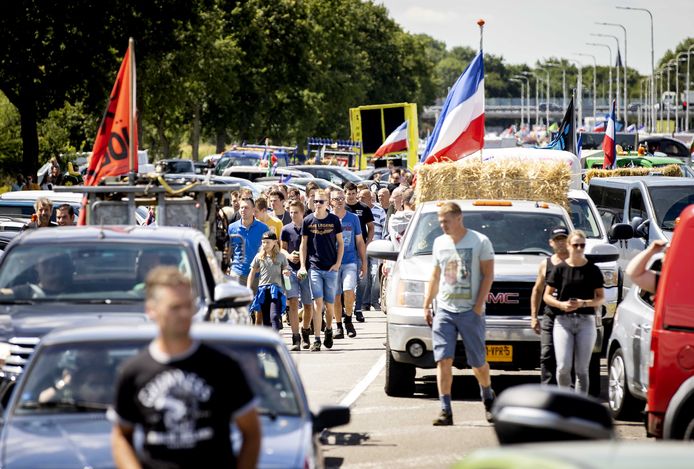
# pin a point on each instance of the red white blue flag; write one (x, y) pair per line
(609, 147)
(459, 131)
(396, 141)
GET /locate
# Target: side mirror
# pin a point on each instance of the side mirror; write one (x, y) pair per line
(331, 416)
(382, 249)
(620, 231)
(603, 253)
(231, 295)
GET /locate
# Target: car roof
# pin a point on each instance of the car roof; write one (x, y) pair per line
(148, 331)
(33, 195)
(517, 206)
(128, 233)
(649, 181)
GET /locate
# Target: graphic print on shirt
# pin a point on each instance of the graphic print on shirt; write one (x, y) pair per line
(347, 235)
(457, 273)
(177, 396)
(321, 228)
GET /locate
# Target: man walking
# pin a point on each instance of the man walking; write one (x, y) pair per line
(366, 219)
(322, 247)
(370, 298)
(545, 326)
(462, 277)
(350, 270)
(276, 199)
(245, 237)
(181, 393)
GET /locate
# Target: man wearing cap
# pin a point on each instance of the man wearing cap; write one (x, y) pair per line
(545, 325)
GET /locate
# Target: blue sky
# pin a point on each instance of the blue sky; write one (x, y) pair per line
(530, 30)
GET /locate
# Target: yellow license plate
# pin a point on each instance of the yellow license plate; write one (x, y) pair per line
(499, 353)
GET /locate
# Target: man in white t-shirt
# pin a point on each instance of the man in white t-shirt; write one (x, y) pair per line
(461, 280)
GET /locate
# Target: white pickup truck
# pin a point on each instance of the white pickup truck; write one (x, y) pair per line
(518, 231)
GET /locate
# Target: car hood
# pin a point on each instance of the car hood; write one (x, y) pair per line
(38, 319)
(83, 440)
(506, 267)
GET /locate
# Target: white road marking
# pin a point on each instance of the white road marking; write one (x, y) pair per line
(361, 386)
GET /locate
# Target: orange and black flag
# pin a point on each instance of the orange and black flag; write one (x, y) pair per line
(112, 146)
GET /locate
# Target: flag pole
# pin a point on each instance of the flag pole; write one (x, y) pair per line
(480, 23)
(131, 111)
(574, 150)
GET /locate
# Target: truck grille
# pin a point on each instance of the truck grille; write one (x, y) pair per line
(509, 299)
(21, 349)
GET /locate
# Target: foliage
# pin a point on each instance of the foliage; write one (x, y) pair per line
(66, 130)
(10, 140)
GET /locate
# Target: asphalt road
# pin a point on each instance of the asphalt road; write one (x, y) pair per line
(397, 432)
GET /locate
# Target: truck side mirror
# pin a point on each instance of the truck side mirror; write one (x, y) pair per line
(620, 231)
(382, 249)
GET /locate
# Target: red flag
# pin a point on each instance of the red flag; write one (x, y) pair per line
(111, 147)
(609, 146)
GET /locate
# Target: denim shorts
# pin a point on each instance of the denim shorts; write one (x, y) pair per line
(300, 289)
(347, 278)
(323, 285)
(470, 326)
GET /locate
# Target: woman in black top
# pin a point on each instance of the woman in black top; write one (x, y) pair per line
(578, 284)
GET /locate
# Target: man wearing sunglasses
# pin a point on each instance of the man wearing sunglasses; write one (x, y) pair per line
(322, 247)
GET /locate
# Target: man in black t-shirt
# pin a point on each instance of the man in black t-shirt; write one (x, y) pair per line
(182, 394)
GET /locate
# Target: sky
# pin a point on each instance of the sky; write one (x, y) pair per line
(525, 31)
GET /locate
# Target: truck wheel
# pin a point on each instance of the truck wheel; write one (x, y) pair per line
(399, 377)
(622, 403)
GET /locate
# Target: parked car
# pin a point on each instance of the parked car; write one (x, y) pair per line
(593, 140)
(336, 174)
(65, 276)
(553, 107)
(70, 429)
(634, 161)
(251, 173)
(668, 146)
(175, 166)
(21, 203)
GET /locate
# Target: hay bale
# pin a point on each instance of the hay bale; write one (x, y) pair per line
(504, 179)
(673, 170)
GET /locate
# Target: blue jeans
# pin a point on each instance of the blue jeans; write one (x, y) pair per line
(323, 285)
(361, 287)
(347, 278)
(469, 325)
(300, 289)
(372, 289)
(574, 338)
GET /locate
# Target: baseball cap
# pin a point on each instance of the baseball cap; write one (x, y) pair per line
(269, 235)
(558, 231)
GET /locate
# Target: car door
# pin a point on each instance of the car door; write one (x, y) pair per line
(635, 208)
(641, 339)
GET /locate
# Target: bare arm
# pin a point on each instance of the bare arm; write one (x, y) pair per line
(536, 296)
(303, 249)
(122, 448)
(637, 271)
(249, 426)
(369, 232)
(340, 252)
(597, 301)
(432, 290)
(251, 276)
(487, 272)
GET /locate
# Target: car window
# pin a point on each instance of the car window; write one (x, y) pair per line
(636, 205)
(508, 231)
(583, 218)
(103, 272)
(668, 203)
(609, 198)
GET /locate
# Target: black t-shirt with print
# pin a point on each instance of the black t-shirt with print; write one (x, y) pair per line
(184, 406)
(575, 282)
(322, 240)
(365, 215)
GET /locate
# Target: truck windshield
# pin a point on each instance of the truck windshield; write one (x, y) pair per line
(509, 232)
(583, 218)
(668, 202)
(91, 272)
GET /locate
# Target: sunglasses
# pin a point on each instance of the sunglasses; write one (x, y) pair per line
(318, 201)
(578, 245)
(338, 199)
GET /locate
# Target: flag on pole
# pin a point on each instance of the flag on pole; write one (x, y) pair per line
(579, 145)
(619, 59)
(565, 138)
(396, 141)
(459, 130)
(609, 146)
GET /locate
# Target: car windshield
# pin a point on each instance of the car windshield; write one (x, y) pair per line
(70, 378)
(509, 232)
(348, 175)
(583, 218)
(179, 167)
(228, 162)
(90, 272)
(669, 201)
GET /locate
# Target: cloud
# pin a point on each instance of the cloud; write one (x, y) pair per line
(429, 16)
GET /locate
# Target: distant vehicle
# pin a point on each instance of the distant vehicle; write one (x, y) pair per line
(299, 183)
(593, 140)
(336, 174)
(668, 146)
(251, 173)
(635, 161)
(633, 107)
(21, 203)
(175, 166)
(69, 428)
(553, 107)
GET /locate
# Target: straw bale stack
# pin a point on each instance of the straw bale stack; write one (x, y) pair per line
(669, 170)
(507, 179)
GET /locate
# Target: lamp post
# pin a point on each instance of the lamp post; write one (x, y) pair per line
(579, 92)
(668, 67)
(537, 97)
(521, 99)
(563, 80)
(626, 102)
(650, 15)
(595, 66)
(609, 97)
(686, 113)
(678, 59)
(527, 95)
(618, 99)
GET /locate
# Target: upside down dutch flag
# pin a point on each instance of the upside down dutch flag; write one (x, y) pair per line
(609, 146)
(459, 131)
(396, 141)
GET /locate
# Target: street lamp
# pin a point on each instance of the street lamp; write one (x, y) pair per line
(652, 61)
(595, 66)
(516, 80)
(537, 97)
(626, 102)
(579, 91)
(609, 68)
(617, 97)
(563, 80)
(668, 67)
(527, 95)
(547, 100)
(678, 59)
(686, 117)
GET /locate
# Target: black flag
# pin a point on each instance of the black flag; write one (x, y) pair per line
(566, 136)
(619, 60)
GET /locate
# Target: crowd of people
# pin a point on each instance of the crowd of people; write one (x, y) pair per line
(305, 254)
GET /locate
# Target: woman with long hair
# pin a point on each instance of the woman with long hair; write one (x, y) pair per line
(270, 300)
(578, 284)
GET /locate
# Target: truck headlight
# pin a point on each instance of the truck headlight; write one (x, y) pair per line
(410, 293)
(610, 277)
